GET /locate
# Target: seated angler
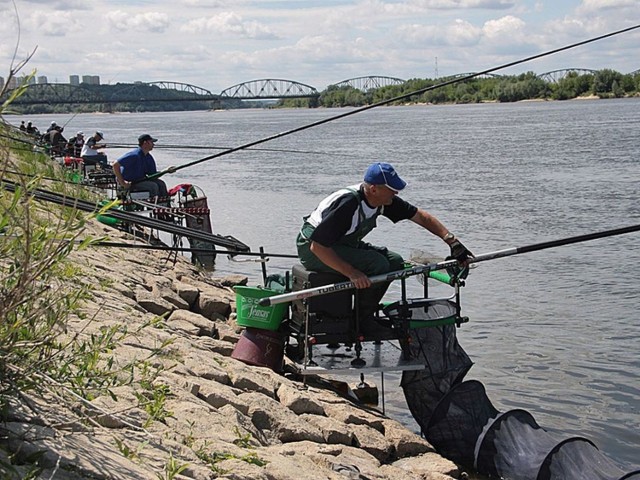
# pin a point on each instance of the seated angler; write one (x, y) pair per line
(331, 237)
(90, 154)
(75, 144)
(134, 167)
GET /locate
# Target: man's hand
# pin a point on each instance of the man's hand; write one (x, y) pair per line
(170, 169)
(461, 253)
(359, 279)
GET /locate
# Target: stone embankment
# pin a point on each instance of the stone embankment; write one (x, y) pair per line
(206, 412)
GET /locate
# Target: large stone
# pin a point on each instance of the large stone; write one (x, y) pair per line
(372, 441)
(216, 346)
(332, 430)
(188, 293)
(298, 400)
(218, 395)
(233, 280)
(405, 442)
(284, 425)
(203, 326)
(213, 303)
(429, 466)
(154, 303)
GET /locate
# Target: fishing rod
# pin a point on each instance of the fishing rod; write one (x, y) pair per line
(34, 175)
(199, 147)
(190, 250)
(399, 274)
(394, 99)
(129, 217)
(68, 121)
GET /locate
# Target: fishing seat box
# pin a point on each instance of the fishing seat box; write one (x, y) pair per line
(330, 314)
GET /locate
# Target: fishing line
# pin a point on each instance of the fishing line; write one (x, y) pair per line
(395, 99)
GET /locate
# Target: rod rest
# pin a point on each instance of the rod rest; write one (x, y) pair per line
(424, 312)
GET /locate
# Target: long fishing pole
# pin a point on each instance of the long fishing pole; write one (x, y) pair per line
(189, 250)
(200, 147)
(394, 99)
(129, 217)
(68, 121)
(399, 274)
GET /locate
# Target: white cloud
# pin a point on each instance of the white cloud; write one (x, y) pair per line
(458, 33)
(230, 22)
(508, 28)
(54, 24)
(594, 5)
(149, 22)
(465, 4)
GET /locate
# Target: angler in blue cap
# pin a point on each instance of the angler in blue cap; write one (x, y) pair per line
(331, 238)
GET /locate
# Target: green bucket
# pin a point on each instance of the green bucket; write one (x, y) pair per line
(251, 314)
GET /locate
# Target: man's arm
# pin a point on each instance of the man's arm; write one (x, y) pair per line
(330, 258)
(435, 226)
(118, 174)
(431, 223)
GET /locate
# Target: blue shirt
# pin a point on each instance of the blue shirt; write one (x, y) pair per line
(135, 165)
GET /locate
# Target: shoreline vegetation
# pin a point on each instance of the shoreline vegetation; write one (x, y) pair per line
(496, 89)
(528, 86)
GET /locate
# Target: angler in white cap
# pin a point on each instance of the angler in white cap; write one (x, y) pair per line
(331, 237)
(90, 154)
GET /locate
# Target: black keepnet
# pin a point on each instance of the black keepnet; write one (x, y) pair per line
(459, 420)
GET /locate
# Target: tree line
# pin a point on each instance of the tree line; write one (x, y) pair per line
(512, 88)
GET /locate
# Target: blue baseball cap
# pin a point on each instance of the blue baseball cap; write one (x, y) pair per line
(384, 174)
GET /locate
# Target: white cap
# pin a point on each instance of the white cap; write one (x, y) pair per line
(80, 133)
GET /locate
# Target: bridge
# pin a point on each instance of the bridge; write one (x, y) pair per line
(270, 88)
(556, 75)
(470, 74)
(64, 93)
(367, 83)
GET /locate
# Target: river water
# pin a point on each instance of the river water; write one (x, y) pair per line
(554, 332)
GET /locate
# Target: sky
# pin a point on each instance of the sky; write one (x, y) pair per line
(215, 44)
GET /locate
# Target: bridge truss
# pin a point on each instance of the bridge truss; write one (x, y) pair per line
(138, 92)
(53, 93)
(556, 75)
(269, 88)
(368, 83)
(183, 87)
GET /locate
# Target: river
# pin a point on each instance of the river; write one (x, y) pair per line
(554, 332)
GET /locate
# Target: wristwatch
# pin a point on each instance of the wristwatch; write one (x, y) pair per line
(449, 236)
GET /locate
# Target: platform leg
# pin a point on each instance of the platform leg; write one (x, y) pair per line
(308, 353)
(357, 362)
